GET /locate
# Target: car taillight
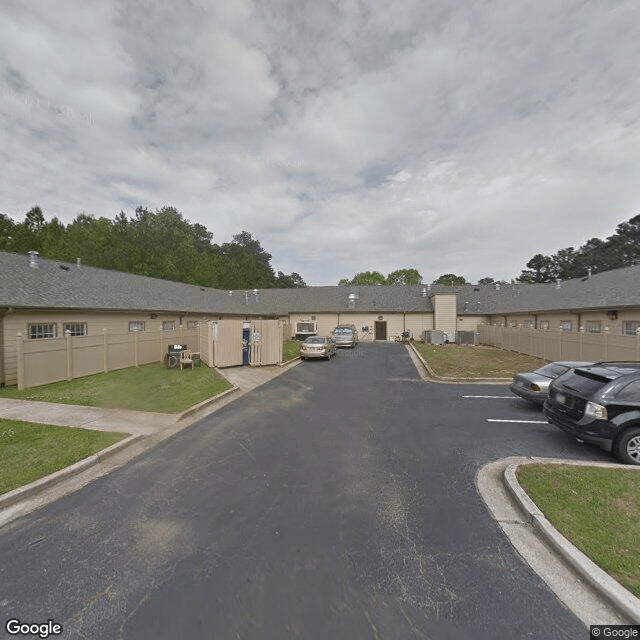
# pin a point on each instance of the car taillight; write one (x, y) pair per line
(596, 411)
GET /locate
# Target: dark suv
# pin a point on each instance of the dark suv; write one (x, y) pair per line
(599, 404)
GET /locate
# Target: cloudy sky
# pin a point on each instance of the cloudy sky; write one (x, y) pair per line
(453, 137)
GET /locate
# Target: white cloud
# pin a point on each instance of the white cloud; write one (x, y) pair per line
(343, 136)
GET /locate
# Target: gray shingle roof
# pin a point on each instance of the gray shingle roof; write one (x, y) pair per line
(606, 290)
(60, 285)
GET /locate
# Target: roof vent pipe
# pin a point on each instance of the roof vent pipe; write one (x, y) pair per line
(78, 263)
(558, 283)
(497, 286)
(33, 259)
(588, 273)
(424, 292)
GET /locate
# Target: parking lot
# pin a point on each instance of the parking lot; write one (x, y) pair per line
(336, 501)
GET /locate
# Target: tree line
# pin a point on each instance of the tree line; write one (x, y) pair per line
(163, 244)
(159, 244)
(621, 249)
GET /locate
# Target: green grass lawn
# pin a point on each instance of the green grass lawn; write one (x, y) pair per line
(290, 350)
(31, 451)
(452, 360)
(151, 387)
(597, 509)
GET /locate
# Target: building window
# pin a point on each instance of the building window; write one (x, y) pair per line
(593, 326)
(136, 325)
(527, 324)
(192, 324)
(40, 331)
(167, 325)
(544, 325)
(566, 325)
(630, 327)
(75, 328)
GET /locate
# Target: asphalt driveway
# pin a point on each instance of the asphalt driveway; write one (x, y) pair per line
(336, 501)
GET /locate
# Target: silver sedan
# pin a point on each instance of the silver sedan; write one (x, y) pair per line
(534, 386)
(317, 347)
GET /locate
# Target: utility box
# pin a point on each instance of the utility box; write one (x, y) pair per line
(467, 338)
(436, 336)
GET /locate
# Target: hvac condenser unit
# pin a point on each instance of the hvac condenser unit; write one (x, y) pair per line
(467, 337)
(304, 329)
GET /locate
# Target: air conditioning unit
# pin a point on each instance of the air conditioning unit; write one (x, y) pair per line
(304, 329)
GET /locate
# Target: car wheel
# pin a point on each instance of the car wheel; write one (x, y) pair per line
(628, 446)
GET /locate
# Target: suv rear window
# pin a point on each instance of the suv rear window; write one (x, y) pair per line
(584, 382)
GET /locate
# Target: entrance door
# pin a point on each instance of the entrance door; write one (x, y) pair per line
(381, 329)
(246, 348)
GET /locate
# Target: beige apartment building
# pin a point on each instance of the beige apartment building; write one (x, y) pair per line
(50, 302)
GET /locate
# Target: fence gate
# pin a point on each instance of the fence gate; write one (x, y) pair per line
(227, 343)
(266, 342)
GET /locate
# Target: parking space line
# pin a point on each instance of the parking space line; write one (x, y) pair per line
(520, 421)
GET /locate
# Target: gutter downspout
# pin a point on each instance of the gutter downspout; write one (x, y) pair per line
(3, 313)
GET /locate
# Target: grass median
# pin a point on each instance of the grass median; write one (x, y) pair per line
(456, 361)
(31, 451)
(597, 509)
(151, 387)
(290, 350)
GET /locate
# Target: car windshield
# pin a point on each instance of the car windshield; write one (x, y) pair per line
(342, 330)
(314, 341)
(552, 370)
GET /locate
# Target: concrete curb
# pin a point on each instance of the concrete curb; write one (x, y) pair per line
(620, 597)
(41, 484)
(288, 362)
(432, 377)
(205, 403)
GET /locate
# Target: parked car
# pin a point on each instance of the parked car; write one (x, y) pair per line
(317, 347)
(534, 385)
(599, 404)
(345, 335)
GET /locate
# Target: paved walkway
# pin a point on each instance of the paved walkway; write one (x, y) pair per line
(141, 423)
